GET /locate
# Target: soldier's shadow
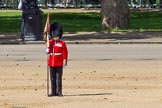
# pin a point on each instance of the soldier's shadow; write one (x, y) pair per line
(95, 94)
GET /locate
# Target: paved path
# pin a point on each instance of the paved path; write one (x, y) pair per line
(95, 38)
(142, 52)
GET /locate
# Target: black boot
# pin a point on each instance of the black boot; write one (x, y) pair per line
(60, 95)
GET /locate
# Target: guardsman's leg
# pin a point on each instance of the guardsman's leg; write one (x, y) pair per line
(53, 81)
(59, 80)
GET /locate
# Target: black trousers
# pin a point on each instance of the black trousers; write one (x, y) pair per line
(22, 28)
(56, 79)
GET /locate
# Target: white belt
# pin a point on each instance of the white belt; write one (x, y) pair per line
(55, 54)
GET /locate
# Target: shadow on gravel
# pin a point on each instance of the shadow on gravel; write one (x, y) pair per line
(114, 36)
(15, 38)
(10, 38)
(99, 94)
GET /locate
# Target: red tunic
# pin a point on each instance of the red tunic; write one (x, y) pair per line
(57, 53)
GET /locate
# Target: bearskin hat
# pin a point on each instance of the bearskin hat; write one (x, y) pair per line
(56, 30)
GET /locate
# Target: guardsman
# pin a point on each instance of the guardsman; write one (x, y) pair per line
(25, 5)
(58, 55)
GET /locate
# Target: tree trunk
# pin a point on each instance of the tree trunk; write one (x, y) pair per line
(114, 14)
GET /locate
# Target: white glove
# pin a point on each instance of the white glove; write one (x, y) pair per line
(20, 5)
(47, 50)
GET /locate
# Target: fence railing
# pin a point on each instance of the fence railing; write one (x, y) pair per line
(13, 4)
